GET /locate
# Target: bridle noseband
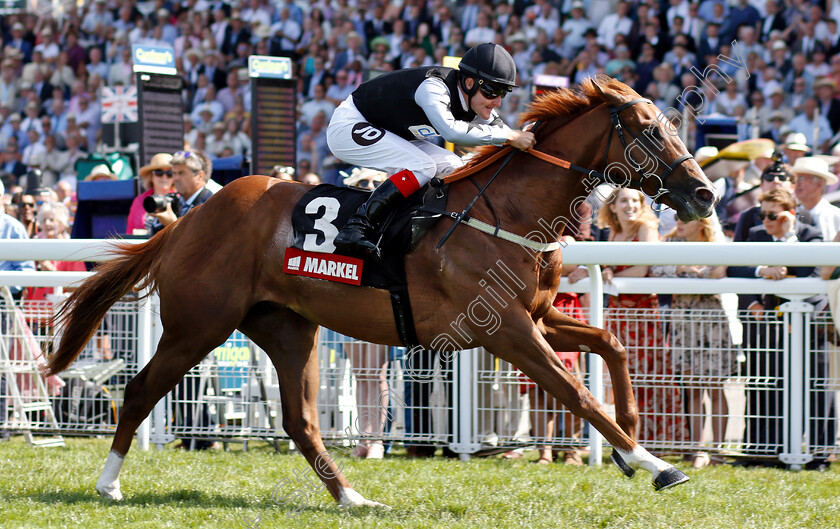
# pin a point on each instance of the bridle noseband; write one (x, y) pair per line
(618, 125)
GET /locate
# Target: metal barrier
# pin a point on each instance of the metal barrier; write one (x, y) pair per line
(779, 376)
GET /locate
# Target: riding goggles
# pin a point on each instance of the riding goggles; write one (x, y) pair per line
(492, 91)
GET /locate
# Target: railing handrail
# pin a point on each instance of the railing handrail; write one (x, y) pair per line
(703, 253)
(607, 253)
(60, 249)
(686, 285)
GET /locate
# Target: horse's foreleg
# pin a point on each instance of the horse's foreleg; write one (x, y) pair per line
(290, 342)
(522, 344)
(564, 333)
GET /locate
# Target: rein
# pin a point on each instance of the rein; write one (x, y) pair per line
(617, 124)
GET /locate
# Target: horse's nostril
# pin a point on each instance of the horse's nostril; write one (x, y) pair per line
(705, 195)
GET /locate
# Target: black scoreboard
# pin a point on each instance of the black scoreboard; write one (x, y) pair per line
(273, 123)
(160, 110)
(273, 113)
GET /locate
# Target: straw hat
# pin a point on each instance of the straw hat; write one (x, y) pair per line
(824, 81)
(814, 166)
(796, 141)
(376, 41)
(704, 153)
(162, 160)
(194, 52)
(263, 31)
(100, 172)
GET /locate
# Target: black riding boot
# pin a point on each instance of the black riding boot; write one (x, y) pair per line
(355, 236)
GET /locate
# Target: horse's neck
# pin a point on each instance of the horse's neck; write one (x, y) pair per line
(532, 196)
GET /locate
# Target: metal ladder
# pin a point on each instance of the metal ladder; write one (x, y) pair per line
(23, 406)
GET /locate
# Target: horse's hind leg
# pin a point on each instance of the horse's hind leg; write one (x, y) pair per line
(290, 342)
(564, 333)
(174, 357)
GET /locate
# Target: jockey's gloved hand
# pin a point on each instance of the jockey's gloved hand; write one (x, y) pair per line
(521, 139)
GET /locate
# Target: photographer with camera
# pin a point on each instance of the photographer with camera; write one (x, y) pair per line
(190, 173)
(156, 180)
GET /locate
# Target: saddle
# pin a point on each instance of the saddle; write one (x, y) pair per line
(321, 213)
(316, 220)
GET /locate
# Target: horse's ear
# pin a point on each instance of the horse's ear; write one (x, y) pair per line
(605, 92)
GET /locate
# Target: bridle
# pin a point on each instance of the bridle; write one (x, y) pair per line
(602, 178)
(615, 119)
(596, 177)
(617, 124)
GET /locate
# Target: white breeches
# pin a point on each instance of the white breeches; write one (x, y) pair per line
(352, 140)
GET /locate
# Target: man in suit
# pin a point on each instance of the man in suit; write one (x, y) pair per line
(19, 43)
(376, 25)
(710, 45)
(774, 21)
(763, 330)
(829, 105)
(442, 23)
(211, 68)
(10, 158)
(42, 88)
(236, 33)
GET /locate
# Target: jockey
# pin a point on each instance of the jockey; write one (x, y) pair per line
(386, 122)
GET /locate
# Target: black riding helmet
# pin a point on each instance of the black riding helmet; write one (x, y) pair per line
(492, 67)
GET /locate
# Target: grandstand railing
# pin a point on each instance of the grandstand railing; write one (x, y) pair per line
(470, 401)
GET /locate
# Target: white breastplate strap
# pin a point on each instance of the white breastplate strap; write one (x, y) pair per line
(511, 237)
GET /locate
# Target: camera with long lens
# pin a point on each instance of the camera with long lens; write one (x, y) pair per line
(157, 204)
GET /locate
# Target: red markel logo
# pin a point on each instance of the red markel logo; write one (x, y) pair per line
(323, 266)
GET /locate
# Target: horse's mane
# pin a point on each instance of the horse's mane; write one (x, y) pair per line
(559, 103)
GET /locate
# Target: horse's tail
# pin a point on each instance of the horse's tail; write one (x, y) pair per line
(81, 313)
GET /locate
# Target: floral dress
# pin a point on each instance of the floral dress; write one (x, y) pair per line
(699, 331)
(658, 398)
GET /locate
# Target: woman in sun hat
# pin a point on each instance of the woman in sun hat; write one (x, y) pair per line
(156, 179)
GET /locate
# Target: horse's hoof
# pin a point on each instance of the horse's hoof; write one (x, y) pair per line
(670, 477)
(110, 491)
(620, 463)
(350, 499)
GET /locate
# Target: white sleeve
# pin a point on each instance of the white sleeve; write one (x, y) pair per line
(433, 97)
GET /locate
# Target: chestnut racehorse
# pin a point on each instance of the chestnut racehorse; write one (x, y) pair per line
(219, 268)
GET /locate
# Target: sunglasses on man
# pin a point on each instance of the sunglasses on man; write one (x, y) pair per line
(781, 177)
(491, 91)
(771, 216)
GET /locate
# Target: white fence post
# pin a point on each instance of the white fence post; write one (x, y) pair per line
(795, 399)
(596, 363)
(464, 411)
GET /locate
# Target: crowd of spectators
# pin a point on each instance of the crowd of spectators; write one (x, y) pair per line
(55, 64)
